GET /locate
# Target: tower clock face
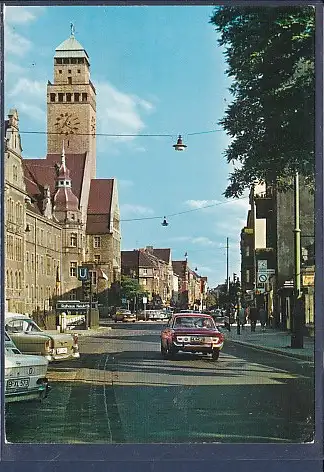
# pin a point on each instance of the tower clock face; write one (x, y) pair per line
(93, 126)
(67, 123)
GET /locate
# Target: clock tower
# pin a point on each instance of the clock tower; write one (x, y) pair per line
(71, 103)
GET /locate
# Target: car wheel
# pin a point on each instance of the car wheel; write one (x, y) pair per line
(115, 321)
(215, 354)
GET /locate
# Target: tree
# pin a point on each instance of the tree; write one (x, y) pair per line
(130, 288)
(270, 57)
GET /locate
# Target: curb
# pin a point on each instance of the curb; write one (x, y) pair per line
(304, 357)
(90, 331)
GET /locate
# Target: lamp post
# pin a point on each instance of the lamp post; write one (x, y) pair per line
(297, 318)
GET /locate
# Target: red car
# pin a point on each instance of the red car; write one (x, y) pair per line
(191, 332)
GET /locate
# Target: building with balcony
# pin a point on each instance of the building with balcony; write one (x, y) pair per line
(267, 252)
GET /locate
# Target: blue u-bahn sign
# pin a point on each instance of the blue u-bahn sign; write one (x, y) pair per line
(83, 273)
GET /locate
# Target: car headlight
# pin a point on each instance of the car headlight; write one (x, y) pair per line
(182, 339)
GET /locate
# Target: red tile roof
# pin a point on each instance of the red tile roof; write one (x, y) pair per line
(163, 254)
(130, 259)
(40, 172)
(99, 206)
(179, 267)
(100, 197)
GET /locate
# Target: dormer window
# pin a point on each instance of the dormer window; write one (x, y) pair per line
(67, 182)
(61, 182)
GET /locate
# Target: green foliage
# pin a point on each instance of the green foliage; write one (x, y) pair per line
(129, 287)
(270, 57)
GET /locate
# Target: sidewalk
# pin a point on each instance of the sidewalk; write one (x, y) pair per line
(270, 341)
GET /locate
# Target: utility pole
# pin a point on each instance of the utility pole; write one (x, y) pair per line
(228, 286)
(253, 247)
(298, 315)
(227, 267)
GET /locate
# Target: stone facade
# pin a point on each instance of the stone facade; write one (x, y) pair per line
(71, 103)
(54, 207)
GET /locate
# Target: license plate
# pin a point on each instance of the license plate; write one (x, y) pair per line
(17, 383)
(61, 350)
(198, 340)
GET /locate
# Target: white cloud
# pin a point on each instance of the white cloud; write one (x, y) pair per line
(127, 209)
(34, 88)
(32, 111)
(14, 43)
(201, 203)
(203, 241)
(201, 270)
(119, 113)
(240, 204)
(124, 183)
(28, 96)
(17, 15)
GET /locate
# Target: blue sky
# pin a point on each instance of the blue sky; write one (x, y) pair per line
(157, 70)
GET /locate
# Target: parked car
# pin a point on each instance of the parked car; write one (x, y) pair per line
(25, 376)
(156, 315)
(124, 315)
(218, 316)
(31, 339)
(191, 332)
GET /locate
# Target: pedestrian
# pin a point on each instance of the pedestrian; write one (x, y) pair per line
(253, 315)
(241, 319)
(263, 316)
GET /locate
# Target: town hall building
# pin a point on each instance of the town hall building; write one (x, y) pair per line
(58, 216)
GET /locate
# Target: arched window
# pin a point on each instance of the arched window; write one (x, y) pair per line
(19, 281)
(27, 292)
(7, 279)
(16, 281)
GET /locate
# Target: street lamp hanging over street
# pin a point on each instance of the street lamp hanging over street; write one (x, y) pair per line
(179, 146)
(165, 223)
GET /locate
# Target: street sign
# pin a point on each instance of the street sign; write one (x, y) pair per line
(262, 277)
(124, 300)
(72, 305)
(83, 273)
(144, 300)
(262, 265)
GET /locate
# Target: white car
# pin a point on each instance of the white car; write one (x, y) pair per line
(25, 375)
(31, 339)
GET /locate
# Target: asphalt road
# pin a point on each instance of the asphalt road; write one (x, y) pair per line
(122, 391)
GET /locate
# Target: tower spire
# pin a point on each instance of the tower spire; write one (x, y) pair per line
(72, 29)
(63, 162)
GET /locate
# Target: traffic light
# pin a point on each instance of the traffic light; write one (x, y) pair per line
(86, 288)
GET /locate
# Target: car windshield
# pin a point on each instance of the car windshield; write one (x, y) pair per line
(22, 325)
(193, 322)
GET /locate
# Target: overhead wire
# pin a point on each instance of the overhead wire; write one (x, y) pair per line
(123, 135)
(182, 212)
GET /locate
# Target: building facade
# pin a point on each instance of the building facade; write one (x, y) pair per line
(268, 248)
(57, 215)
